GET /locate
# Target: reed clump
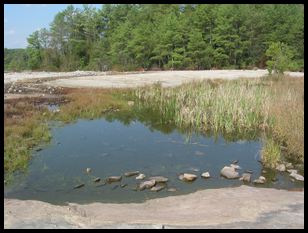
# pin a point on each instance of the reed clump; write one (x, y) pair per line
(229, 106)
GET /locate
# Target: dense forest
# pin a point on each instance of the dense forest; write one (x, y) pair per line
(127, 37)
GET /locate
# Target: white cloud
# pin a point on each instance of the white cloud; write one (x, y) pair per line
(10, 32)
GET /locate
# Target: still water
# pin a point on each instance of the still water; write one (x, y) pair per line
(111, 148)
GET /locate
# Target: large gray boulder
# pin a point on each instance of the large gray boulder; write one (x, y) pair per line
(229, 172)
(147, 184)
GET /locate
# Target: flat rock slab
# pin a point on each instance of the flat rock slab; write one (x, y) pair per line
(248, 207)
(166, 78)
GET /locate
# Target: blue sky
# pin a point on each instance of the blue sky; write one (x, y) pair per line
(20, 20)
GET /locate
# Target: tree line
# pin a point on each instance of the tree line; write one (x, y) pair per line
(127, 37)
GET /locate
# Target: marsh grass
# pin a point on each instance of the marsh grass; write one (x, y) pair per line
(270, 153)
(271, 106)
(228, 106)
(90, 104)
(24, 128)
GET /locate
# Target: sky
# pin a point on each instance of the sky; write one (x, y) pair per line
(21, 20)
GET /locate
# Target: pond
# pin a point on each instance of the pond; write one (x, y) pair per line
(111, 148)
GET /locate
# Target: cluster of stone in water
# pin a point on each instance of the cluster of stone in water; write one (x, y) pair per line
(158, 183)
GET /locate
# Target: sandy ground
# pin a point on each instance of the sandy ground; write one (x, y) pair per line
(238, 207)
(124, 80)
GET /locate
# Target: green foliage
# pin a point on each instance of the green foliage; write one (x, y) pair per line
(280, 57)
(167, 36)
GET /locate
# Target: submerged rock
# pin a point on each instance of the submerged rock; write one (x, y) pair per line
(297, 176)
(171, 190)
(246, 177)
(188, 177)
(281, 167)
(97, 179)
(157, 188)
(129, 174)
(229, 172)
(147, 184)
(249, 171)
(274, 179)
(100, 185)
(111, 179)
(260, 180)
(159, 179)
(205, 175)
(292, 171)
(123, 185)
(79, 186)
(88, 170)
(114, 187)
(140, 177)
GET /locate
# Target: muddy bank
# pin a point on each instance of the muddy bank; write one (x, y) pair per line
(240, 207)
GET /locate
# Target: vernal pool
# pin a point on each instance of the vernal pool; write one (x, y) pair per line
(111, 148)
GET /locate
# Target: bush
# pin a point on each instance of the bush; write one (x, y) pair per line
(280, 57)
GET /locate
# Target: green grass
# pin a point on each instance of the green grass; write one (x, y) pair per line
(270, 153)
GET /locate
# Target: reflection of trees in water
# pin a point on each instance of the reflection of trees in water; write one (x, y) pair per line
(151, 118)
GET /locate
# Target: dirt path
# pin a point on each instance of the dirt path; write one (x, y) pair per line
(240, 207)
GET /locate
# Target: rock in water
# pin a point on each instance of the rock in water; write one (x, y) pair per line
(281, 167)
(205, 175)
(129, 174)
(114, 187)
(289, 165)
(123, 185)
(171, 189)
(157, 188)
(111, 179)
(297, 176)
(147, 184)
(187, 177)
(260, 180)
(88, 170)
(159, 179)
(246, 177)
(249, 171)
(229, 173)
(292, 171)
(234, 161)
(140, 177)
(97, 179)
(235, 166)
(78, 186)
